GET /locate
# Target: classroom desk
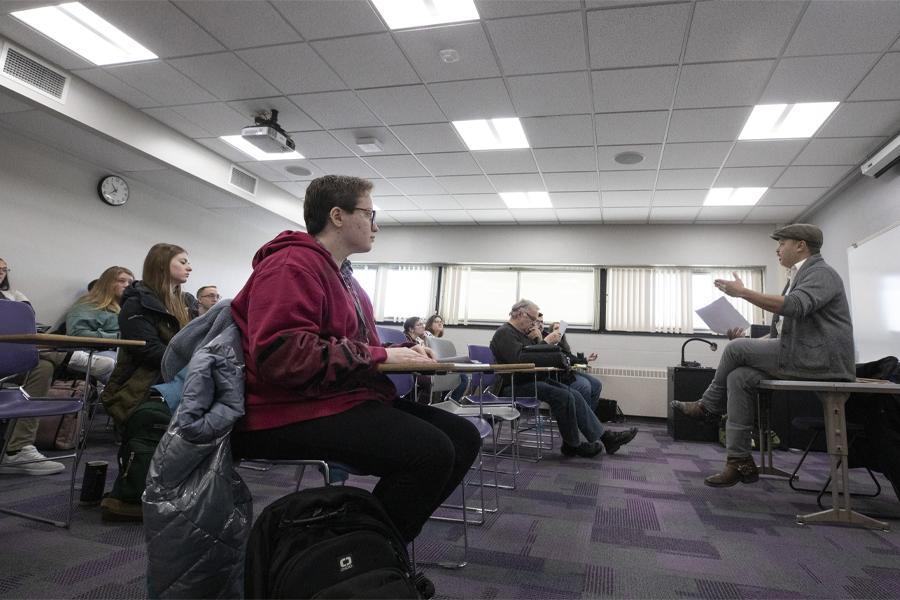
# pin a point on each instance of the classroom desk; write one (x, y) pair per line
(438, 368)
(833, 396)
(68, 342)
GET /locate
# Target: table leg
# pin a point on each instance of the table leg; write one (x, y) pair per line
(836, 437)
(766, 460)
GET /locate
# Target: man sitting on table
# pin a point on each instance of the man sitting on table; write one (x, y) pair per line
(573, 414)
(312, 354)
(811, 338)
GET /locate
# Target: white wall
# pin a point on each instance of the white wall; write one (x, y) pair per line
(57, 235)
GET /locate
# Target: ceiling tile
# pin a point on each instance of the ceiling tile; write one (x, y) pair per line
(695, 155)
(791, 196)
(262, 169)
(479, 201)
(397, 166)
(571, 182)
(862, 119)
(492, 216)
(679, 197)
(841, 151)
(740, 30)
(466, 184)
(403, 105)
(764, 153)
(492, 9)
(245, 23)
(565, 159)
(550, 132)
(320, 144)
(521, 182)
(177, 122)
(626, 199)
(534, 215)
(316, 19)
(383, 187)
(606, 157)
(579, 215)
(627, 180)
(707, 124)
(816, 78)
(411, 217)
(812, 176)
(389, 143)
(845, 27)
(423, 46)
(680, 214)
(506, 161)
(477, 99)
(290, 117)
(296, 188)
(217, 118)
(685, 179)
(637, 36)
(436, 202)
(446, 217)
(883, 82)
(553, 94)
(436, 137)
(625, 215)
(307, 72)
(648, 88)
(367, 61)
(774, 214)
(161, 82)
(281, 169)
(723, 213)
(392, 203)
(631, 128)
(336, 109)
(345, 166)
(748, 176)
(722, 84)
(159, 26)
(225, 75)
(561, 46)
(450, 163)
(118, 88)
(575, 199)
(418, 185)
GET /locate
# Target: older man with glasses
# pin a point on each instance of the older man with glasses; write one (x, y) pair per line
(207, 296)
(573, 415)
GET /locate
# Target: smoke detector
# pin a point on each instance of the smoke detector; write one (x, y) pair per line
(449, 55)
(629, 158)
(369, 144)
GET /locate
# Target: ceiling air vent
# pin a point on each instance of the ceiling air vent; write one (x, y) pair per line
(33, 73)
(243, 180)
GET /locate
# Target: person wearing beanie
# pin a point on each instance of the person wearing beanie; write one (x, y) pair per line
(811, 337)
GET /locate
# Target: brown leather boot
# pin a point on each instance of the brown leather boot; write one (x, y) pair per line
(737, 469)
(694, 410)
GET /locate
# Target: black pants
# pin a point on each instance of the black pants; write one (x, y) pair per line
(420, 453)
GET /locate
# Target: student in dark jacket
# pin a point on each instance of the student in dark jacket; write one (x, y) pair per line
(153, 310)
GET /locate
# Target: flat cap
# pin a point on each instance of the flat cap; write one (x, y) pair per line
(810, 234)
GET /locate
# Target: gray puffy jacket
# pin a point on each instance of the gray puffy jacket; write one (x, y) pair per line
(197, 510)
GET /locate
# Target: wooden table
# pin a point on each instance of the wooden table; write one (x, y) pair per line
(68, 342)
(833, 396)
(438, 368)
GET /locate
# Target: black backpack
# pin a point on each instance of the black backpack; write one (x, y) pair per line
(140, 436)
(328, 542)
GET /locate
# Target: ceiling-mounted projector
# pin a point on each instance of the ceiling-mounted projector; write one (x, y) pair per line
(267, 134)
(886, 158)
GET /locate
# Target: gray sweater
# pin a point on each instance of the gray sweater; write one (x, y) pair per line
(817, 333)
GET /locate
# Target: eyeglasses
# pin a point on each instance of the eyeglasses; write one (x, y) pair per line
(5, 270)
(216, 296)
(371, 213)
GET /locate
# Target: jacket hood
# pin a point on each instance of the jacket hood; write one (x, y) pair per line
(145, 296)
(289, 239)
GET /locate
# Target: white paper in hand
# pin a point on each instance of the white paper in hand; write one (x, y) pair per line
(720, 316)
(562, 328)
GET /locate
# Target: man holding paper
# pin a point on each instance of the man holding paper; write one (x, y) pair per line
(811, 338)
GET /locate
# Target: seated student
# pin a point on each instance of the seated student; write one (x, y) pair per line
(434, 327)
(414, 330)
(153, 310)
(35, 382)
(207, 297)
(312, 354)
(570, 409)
(588, 385)
(96, 314)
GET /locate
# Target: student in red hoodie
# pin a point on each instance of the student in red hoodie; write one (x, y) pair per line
(312, 353)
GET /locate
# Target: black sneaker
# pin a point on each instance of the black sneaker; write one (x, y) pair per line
(585, 449)
(613, 440)
(424, 586)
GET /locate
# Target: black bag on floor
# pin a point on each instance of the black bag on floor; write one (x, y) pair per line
(609, 411)
(329, 542)
(140, 436)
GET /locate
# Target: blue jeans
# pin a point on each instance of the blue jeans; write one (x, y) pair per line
(460, 390)
(573, 415)
(589, 387)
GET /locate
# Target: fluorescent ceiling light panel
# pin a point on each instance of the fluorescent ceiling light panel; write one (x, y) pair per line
(85, 33)
(492, 134)
(254, 152)
(780, 121)
(401, 14)
(526, 199)
(726, 196)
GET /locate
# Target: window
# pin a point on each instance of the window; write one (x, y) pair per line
(398, 291)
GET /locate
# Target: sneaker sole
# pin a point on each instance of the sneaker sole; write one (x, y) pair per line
(27, 471)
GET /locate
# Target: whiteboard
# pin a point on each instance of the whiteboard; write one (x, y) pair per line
(875, 294)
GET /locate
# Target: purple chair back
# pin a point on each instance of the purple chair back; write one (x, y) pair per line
(403, 383)
(390, 336)
(483, 355)
(16, 317)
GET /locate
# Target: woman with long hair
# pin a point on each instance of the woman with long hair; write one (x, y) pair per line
(96, 314)
(435, 325)
(153, 310)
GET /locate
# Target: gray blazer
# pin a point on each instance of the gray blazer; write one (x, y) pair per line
(817, 333)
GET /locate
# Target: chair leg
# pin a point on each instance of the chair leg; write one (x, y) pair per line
(794, 476)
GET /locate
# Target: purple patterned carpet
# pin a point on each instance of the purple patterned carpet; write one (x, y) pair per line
(639, 524)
